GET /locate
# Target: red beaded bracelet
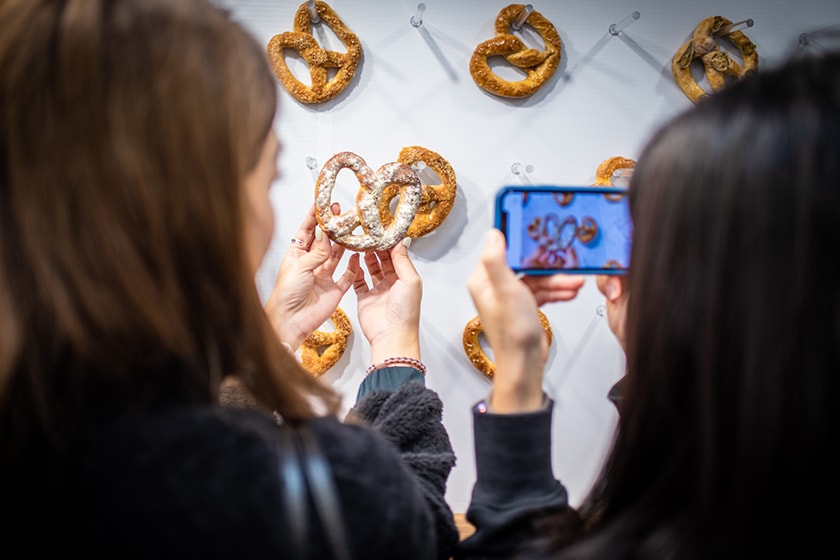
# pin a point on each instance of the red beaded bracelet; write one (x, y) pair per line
(398, 361)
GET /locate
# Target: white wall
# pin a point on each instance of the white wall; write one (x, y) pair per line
(414, 88)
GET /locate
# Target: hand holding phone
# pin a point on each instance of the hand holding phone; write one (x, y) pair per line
(549, 229)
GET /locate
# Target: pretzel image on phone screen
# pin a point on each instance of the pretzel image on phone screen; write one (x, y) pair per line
(585, 230)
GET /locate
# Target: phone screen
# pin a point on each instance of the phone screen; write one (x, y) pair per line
(548, 229)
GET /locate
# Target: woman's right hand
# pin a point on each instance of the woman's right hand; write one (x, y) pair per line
(389, 309)
(507, 307)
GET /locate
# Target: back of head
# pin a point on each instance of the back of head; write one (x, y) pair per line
(733, 325)
(126, 127)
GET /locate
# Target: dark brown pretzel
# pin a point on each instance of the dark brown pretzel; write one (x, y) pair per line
(716, 63)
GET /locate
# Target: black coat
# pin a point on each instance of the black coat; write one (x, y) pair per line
(195, 481)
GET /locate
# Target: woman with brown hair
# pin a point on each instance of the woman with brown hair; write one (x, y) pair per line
(136, 155)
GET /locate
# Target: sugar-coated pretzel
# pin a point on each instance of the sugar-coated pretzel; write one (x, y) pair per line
(717, 64)
(436, 201)
(538, 66)
(322, 349)
(319, 60)
(375, 236)
(472, 346)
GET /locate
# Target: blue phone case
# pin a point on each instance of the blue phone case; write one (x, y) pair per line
(570, 229)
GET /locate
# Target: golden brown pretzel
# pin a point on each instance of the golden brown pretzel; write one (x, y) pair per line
(716, 63)
(472, 346)
(318, 59)
(539, 66)
(603, 175)
(375, 236)
(322, 349)
(436, 201)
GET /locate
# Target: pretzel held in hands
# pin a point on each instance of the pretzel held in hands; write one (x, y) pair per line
(472, 346)
(436, 201)
(538, 66)
(320, 61)
(717, 64)
(365, 214)
(322, 349)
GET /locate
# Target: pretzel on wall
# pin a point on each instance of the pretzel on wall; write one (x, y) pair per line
(436, 200)
(717, 64)
(538, 66)
(320, 60)
(321, 350)
(472, 345)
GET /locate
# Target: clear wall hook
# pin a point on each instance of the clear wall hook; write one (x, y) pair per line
(621, 177)
(616, 28)
(520, 19)
(601, 311)
(311, 163)
(518, 169)
(738, 25)
(417, 19)
(812, 38)
(313, 12)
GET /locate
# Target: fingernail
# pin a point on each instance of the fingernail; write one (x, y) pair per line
(492, 238)
(406, 242)
(319, 234)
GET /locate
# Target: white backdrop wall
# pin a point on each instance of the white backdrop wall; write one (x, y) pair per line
(413, 87)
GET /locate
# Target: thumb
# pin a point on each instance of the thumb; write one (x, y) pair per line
(493, 257)
(402, 262)
(320, 249)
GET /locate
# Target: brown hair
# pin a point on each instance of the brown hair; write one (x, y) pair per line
(126, 128)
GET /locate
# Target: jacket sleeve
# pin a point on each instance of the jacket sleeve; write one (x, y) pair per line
(515, 486)
(410, 418)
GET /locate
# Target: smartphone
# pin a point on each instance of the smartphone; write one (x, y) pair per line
(549, 229)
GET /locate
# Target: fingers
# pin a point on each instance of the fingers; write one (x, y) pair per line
(359, 284)
(348, 278)
(372, 262)
(555, 287)
(611, 286)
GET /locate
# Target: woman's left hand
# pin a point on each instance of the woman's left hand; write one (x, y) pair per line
(305, 293)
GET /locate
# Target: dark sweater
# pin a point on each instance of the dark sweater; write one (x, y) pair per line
(515, 486)
(196, 481)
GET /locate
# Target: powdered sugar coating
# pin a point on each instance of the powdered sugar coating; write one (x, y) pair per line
(365, 213)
